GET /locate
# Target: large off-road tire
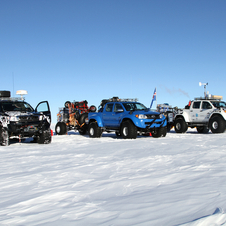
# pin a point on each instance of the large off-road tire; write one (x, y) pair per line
(128, 130)
(5, 93)
(45, 137)
(83, 126)
(164, 131)
(161, 132)
(82, 131)
(4, 137)
(117, 133)
(217, 124)
(169, 127)
(202, 129)
(67, 103)
(61, 128)
(94, 130)
(82, 119)
(93, 108)
(180, 125)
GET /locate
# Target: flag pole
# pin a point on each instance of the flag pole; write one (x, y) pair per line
(156, 98)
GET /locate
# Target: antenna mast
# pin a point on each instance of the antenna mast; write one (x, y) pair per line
(204, 84)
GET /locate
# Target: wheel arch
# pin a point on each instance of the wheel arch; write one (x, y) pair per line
(96, 119)
(216, 115)
(180, 116)
(124, 120)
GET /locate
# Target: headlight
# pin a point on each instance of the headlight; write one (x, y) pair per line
(40, 117)
(14, 118)
(141, 116)
(161, 116)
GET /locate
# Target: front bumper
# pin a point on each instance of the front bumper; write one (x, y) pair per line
(27, 129)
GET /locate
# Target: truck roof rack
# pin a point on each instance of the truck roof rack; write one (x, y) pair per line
(10, 98)
(210, 97)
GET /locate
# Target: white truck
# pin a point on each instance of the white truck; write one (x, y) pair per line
(208, 113)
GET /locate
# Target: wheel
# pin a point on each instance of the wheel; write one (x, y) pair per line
(169, 127)
(67, 103)
(128, 130)
(202, 129)
(217, 124)
(82, 123)
(45, 137)
(93, 108)
(82, 118)
(180, 125)
(164, 131)
(117, 133)
(161, 132)
(82, 131)
(5, 93)
(4, 137)
(94, 130)
(61, 128)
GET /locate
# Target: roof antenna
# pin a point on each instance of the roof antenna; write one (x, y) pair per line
(203, 84)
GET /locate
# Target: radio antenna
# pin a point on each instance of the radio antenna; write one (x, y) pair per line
(203, 84)
(13, 83)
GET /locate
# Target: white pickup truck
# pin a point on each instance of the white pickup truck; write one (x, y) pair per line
(202, 113)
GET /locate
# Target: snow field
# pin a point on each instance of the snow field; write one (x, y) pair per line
(77, 180)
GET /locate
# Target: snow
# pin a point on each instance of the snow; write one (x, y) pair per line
(76, 180)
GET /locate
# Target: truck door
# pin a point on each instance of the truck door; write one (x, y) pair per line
(206, 110)
(43, 107)
(194, 111)
(200, 111)
(107, 114)
(117, 115)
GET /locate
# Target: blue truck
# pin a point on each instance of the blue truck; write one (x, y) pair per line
(127, 118)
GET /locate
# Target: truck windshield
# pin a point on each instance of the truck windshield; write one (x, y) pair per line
(16, 106)
(219, 104)
(134, 106)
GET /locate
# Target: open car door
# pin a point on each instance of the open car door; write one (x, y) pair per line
(43, 107)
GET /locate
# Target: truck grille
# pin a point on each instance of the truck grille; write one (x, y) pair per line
(152, 116)
(31, 118)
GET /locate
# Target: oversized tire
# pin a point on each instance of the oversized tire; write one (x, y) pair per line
(161, 132)
(117, 133)
(45, 137)
(82, 123)
(67, 103)
(169, 127)
(217, 124)
(93, 108)
(82, 131)
(128, 130)
(61, 128)
(5, 93)
(4, 137)
(164, 131)
(202, 129)
(180, 125)
(82, 118)
(94, 130)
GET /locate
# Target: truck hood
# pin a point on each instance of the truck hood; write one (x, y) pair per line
(18, 113)
(146, 112)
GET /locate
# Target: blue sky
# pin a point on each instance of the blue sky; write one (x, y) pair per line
(60, 50)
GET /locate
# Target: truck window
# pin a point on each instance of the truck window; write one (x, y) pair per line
(196, 105)
(109, 107)
(206, 105)
(118, 107)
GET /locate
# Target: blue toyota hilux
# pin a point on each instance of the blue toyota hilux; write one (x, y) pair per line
(127, 118)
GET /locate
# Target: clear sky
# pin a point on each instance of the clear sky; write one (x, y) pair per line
(60, 50)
